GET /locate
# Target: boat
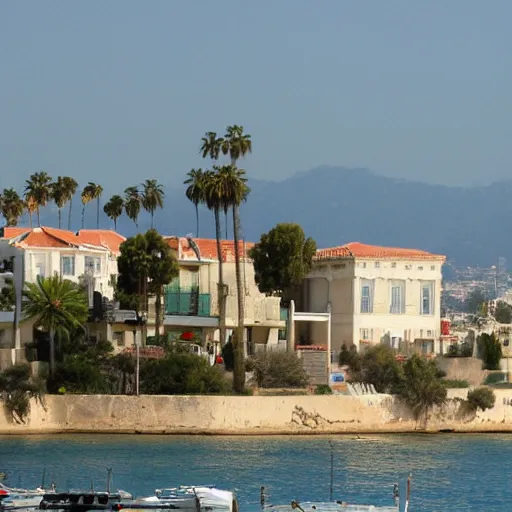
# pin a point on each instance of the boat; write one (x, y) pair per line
(200, 498)
(21, 500)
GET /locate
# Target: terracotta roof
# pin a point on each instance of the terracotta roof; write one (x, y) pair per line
(106, 238)
(359, 250)
(207, 248)
(46, 238)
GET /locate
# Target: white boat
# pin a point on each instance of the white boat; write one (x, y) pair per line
(201, 498)
(337, 506)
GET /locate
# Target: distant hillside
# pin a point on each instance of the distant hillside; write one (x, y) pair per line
(337, 205)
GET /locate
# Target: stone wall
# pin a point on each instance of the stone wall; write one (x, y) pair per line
(463, 368)
(250, 415)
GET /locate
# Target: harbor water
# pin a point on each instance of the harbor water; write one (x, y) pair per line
(450, 473)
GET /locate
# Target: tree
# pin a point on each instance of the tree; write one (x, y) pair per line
(282, 259)
(11, 206)
(90, 192)
(196, 191)
(114, 208)
(236, 144)
(421, 387)
(132, 204)
(503, 313)
(489, 348)
(38, 191)
(145, 265)
(481, 398)
(61, 193)
(31, 207)
(280, 370)
(474, 301)
(70, 186)
(214, 199)
(152, 197)
(57, 305)
(235, 190)
(7, 296)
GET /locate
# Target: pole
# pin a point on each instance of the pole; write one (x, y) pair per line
(137, 368)
(408, 495)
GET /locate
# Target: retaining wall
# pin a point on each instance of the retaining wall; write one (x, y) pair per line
(250, 415)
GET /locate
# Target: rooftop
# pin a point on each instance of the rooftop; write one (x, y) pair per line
(365, 251)
(207, 248)
(45, 237)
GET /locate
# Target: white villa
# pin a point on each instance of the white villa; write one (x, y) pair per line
(375, 294)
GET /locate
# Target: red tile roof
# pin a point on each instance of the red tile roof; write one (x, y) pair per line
(207, 248)
(106, 238)
(362, 251)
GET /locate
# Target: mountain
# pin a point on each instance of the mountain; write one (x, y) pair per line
(339, 205)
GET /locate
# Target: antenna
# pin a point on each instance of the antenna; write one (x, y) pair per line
(332, 472)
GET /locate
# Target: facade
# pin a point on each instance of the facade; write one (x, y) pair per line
(375, 295)
(191, 300)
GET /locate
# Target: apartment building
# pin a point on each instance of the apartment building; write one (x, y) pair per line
(375, 295)
(191, 300)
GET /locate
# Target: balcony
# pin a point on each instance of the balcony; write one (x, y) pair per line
(187, 302)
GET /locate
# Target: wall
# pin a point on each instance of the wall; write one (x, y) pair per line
(250, 415)
(463, 368)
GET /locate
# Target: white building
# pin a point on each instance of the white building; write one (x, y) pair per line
(375, 294)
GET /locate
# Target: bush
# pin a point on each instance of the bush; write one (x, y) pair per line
(323, 390)
(280, 370)
(181, 374)
(481, 398)
(378, 366)
(455, 383)
(463, 349)
(421, 387)
(490, 350)
(495, 378)
(350, 358)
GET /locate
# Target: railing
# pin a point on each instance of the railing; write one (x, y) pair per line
(283, 314)
(189, 302)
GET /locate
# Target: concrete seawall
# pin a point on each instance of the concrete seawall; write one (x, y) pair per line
(249, 415)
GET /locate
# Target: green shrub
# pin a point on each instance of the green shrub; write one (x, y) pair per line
(455, 383)
(280, 370)
(378, 366)
(490, 350)
(495, 378)
(323, 389)
(481, 398)
(181, 374)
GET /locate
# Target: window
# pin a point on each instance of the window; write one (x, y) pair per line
(92, 264)
(397, 302)
(68, 265)
(363, 265)
(393, 264)
(365, 334)
(427, 298)
(429, 333)
(407, 267)
(432, 267)
(367, 296)
(420, 268)
(505, 343)
(377, 264)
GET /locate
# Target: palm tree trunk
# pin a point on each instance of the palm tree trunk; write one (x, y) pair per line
(226, 218)
(115, 223)
(38, 217)
(52, 351)
(158, 314)
(238, 347)
(83, 216)
(69, 213)
(221, 289)
(98, 213)
(30, 219)
(60, 217)
(197, 221)
(152, 217)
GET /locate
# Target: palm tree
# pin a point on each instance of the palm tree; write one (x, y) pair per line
(195, 191)
(12, 206)
(90, 192)
(236, 143)
(70, 186)
(38, 191)
(214, 199)
(211, 146)
(61, 193)
(114, 208)
(57, 305)
(235, 189)
(31, 206)
(152, 197)
(132, 203)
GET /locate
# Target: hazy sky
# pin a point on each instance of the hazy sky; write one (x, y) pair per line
(121, 90)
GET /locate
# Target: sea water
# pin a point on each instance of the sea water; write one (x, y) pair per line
(450, 473)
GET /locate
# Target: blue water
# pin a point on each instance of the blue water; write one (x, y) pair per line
(451, 473)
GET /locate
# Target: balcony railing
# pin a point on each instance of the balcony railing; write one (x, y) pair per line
(187, 302)
(283, 314)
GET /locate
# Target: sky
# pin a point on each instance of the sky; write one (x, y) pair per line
(119, 91)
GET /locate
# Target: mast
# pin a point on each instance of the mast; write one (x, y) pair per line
(408, 494)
